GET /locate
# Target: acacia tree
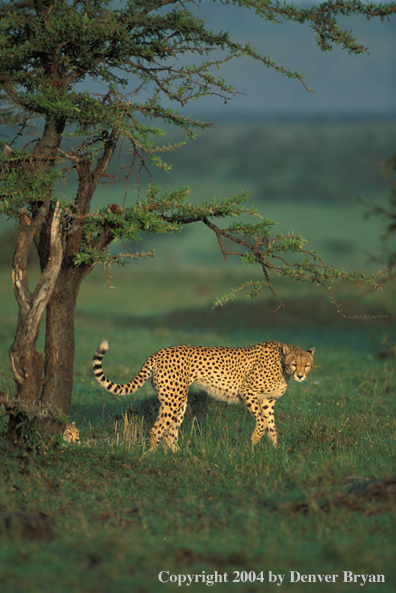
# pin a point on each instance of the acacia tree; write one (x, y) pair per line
(66, 71)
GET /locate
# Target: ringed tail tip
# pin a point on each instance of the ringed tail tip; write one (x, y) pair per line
(104, 346)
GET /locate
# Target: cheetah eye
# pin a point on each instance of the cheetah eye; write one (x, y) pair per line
(293, 366)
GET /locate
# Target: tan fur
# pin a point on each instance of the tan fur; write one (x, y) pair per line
(71, 434)
(257, 375)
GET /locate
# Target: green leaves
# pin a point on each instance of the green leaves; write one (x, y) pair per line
(19, 186)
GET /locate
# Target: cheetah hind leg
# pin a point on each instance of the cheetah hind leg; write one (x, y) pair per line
(167, 424)
(172, 434)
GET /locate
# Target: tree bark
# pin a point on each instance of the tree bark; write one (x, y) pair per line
(26, 363)
(59, 350)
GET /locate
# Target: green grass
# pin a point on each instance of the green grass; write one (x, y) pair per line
(116, 515)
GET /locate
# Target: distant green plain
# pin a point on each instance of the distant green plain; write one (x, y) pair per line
(303, 174)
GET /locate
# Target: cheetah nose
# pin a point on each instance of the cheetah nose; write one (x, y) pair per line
(300, 376)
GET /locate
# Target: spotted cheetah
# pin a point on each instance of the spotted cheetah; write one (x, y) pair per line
(71, 434)
(257, 375)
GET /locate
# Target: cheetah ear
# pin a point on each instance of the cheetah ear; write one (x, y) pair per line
(311, 351)
(285, 349)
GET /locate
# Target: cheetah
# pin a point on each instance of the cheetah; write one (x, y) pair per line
(257, 375)
(71, 434)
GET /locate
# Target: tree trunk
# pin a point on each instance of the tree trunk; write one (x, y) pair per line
(59, 351)
(26, 363)
(44, 386)
(28, 392)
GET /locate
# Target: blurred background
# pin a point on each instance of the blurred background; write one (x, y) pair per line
(304, 157)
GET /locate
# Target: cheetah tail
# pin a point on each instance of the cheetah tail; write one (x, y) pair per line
(118, 389)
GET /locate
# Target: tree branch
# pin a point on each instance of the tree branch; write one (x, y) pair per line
(103, 162)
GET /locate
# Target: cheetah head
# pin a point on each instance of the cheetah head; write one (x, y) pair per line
(71, 434)
(298, 362)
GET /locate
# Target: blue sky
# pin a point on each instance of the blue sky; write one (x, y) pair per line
(344, 84)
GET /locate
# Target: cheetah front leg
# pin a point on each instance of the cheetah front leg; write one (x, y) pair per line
(267, 408)
(251, 402)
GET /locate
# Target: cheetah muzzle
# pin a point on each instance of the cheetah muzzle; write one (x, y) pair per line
(257, 375)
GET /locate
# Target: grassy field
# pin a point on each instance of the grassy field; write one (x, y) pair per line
(110, 516)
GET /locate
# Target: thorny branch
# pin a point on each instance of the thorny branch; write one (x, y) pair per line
(313, 273)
